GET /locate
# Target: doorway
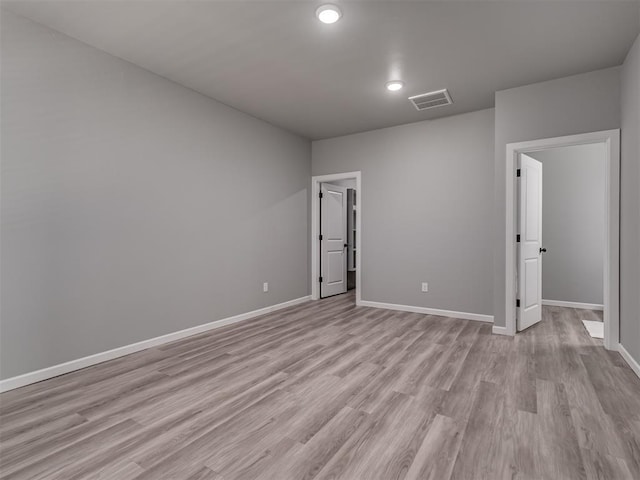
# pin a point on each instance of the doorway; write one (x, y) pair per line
(522, 312)
(336, 219)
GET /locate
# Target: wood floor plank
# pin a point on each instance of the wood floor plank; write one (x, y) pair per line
(472, 460)
(124, 470)
(359, 455)
(558, 437)
(600, 466)
(328, 390)
(324, 445)
(66, 457)
(437, 453)
(618, 398)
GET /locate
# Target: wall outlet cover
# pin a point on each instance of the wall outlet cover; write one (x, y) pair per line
(425, 287)
(265, 287)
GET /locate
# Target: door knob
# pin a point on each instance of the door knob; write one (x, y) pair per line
(543, 250)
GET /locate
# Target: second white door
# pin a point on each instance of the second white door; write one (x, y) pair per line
(530, 245)
(333, 240)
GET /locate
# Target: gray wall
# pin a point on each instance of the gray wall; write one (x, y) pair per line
(427, 192)
(133, 207)
(581, 103)
(348, 183)
(630, 205)
(573, 230)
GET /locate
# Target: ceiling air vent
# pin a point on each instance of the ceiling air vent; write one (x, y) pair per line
(425, 101)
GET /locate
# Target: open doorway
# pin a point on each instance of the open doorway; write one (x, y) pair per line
(563, 230)
(336, 211)
(560, 239)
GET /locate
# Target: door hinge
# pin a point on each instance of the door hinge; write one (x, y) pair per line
(518, 303)
(320, 195)
(518, 173)
(320, 279)
(518, 238)
(319, 237)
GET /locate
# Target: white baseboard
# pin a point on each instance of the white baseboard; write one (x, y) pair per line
(61, 369)
(428, 311)
(635, 366)
(584, 306)
(499, 330)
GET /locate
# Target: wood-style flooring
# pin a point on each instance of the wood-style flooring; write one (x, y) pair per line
(327, 390)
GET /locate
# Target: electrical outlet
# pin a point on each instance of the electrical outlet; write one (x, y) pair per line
(265, 287)
(425, 287)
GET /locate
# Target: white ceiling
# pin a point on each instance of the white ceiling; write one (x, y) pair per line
(274, 60)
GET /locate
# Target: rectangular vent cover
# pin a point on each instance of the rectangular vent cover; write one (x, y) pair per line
(425, 101)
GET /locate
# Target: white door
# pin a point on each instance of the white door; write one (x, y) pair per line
(333, 240)
(529, 286)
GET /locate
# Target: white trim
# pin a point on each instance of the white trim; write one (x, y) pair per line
(584, 306)
(499, 330)
(315, 230)
(429, 311)
(635, 366)
(611, 139)
(61, 369)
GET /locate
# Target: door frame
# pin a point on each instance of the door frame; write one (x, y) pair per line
(315, 230)
(611, 140)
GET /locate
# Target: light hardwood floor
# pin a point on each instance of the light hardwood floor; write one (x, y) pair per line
(326, 390)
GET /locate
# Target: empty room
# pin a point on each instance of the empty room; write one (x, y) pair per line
(306, 240)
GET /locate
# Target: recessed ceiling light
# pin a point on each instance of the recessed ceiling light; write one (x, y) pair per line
(395, 85)
(328, 13)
